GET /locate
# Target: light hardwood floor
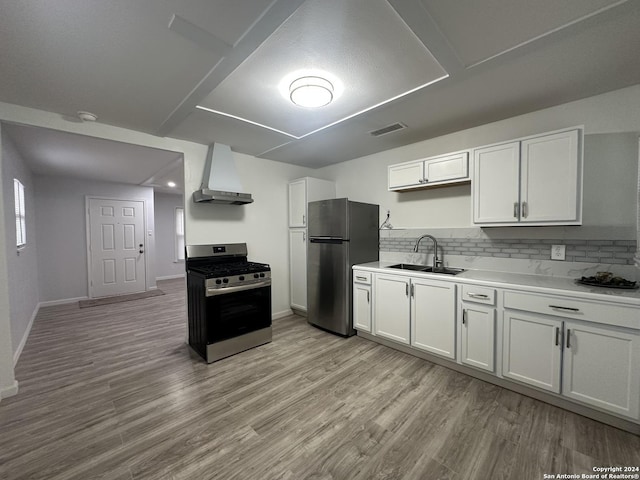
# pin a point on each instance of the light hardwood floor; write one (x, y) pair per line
(112, 392)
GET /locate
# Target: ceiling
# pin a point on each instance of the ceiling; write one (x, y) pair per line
(215, 70)
(55, 153)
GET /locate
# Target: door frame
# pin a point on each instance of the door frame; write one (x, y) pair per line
(145, 232)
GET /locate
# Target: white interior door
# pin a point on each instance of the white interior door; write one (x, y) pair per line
(116, 247)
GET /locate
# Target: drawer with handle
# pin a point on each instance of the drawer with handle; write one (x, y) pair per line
(472, 293)
(362, 277)
(601, 312)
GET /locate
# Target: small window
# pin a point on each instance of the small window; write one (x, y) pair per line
(21, 219)
(179, 234)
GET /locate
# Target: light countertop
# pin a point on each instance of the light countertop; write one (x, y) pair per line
(532, 283)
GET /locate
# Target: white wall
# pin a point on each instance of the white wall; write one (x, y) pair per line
(165, 210)
(609, 189)
(262, 225)
(21, 264)
(62, 235)
(8, 384)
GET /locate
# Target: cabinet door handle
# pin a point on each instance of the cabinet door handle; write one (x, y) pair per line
(426, 180)
(557, 336)
(564, 309)
(406, 289)
(304, 237)
(525, 210)
(568, 338)
(516, 209)
(304, 219)
(464, 317)
(363, 279)
(478, 295)
(368, 296)
(412, 290)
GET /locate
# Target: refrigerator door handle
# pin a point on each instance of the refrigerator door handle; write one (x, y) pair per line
(326, 239)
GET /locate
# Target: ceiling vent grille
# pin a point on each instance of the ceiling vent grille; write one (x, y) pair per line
(388, 129)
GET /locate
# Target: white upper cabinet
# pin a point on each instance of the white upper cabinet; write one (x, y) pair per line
(305, 190)
(496, 177)
(298, 203)
(432, 171)
(550, 178)
(533, 181)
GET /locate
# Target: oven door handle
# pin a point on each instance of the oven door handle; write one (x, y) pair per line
(212, 292)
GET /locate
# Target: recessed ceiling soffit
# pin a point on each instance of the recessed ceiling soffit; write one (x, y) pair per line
(373, 52)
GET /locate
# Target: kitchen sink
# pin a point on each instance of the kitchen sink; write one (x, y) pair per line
(424, 268)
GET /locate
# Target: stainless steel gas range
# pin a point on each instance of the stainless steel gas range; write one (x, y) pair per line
(228, 300)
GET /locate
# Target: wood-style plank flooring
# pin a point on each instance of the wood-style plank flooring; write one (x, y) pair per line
(112, 392)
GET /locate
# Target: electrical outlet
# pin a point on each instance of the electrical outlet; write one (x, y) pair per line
(558, 252)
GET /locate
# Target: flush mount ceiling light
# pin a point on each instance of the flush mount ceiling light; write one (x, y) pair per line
(311, 92)
(171, 184)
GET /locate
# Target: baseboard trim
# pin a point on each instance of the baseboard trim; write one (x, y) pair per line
(23, 341)
(284, 313)
(62, 301)
(170, 277)
(9, 391)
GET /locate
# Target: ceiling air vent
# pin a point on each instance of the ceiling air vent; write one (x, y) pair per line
(388, 129)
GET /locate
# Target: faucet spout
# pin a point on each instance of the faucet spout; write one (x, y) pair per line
(437, 264)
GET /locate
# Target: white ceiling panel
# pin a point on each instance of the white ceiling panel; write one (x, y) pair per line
(478, 30)
(202, 127)
(542, 78)
(51, 152)
(115, 58)
(363, 44)
(120, 60)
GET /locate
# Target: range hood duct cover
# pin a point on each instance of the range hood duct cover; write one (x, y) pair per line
(220, 182)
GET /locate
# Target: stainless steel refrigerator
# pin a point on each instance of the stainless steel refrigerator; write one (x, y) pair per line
(341, 234)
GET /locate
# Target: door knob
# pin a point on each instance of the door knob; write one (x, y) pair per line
(141, 251)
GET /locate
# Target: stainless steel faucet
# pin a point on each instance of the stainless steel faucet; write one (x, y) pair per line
(437, 264)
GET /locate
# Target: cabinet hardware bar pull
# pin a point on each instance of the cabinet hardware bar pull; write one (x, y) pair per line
(566, 309)
(525, 210)
(304, 237)
(568, 338)
(304, 219)
(557, 336)
(516, 209)
(367, 296)
(477, 295)
(464, 317)
(412, 290)
(364, 279)
(406, 289)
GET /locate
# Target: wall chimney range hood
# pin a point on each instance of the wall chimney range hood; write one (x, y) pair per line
(220, 182)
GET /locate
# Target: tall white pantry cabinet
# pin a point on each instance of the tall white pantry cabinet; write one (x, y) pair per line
(301, 192)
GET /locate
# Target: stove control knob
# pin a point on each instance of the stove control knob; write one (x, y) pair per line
(255, 275)
(262, 275)
(218, 281)
(241, 277)
(225, 280)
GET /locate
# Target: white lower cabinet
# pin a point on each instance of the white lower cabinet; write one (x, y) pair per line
(601, 367)
(532, 348)
(392, 307)
(433, 326)
(298, 268)
(594, 364)
(583, 350)
(478, 333)
(362, 301)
